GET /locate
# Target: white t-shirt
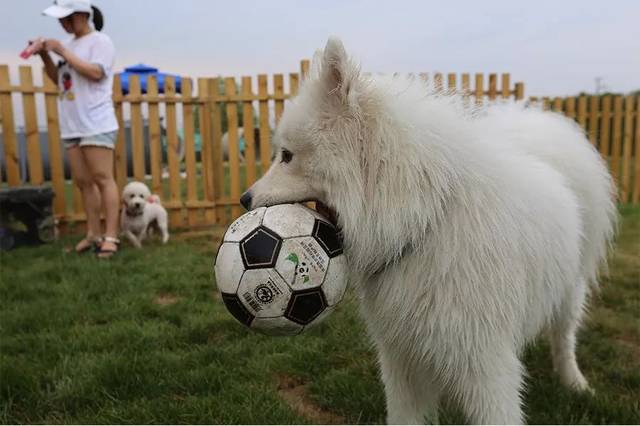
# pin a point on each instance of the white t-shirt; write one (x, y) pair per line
(86, 107)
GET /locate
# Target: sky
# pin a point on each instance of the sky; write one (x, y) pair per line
(556, 48)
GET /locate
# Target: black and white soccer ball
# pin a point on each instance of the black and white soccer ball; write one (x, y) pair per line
(281, 269)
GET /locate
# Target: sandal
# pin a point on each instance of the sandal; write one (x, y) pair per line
(87, 243)
(107, 253)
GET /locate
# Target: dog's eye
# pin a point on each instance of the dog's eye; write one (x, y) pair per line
(287, 156)
(132, 195)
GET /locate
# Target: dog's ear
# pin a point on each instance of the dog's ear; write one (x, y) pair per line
(338, 72)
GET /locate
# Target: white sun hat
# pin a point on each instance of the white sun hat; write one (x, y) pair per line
(64, 8)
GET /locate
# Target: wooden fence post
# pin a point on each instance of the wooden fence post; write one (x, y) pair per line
(582, 112)
(189, 152)
(570, 108)
(278, 95)
(121, 143)
(294, 82)
(437, 82)
(506, 86)
(32, 135)
(593, 119)
(617, 139)
(557, 104)
(155, 134)
(479, 92)
(56, 162)
(137, 130)
(11, 157)
(545, 103)
(206, 149)
(173, 148)
(519, 91)
(234, 163)
(605, 126)
(451, 83)
(493, 86)
(249, 140)
(265, 129)
(304, 68)
(217, 151)
(627, 140)
(466, 91)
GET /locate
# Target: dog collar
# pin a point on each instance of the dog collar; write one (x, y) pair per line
(126, 211)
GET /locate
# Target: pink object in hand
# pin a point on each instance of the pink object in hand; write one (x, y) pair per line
(28, 51)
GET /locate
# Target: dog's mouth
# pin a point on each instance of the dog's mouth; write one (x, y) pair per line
(134, 210)
(327, 212)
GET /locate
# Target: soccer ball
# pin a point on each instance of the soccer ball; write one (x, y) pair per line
(280, 269)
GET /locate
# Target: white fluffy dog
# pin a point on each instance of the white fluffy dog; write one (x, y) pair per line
(141, 213)
(467, 234)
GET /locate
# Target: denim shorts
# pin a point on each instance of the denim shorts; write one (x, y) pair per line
(105, 140)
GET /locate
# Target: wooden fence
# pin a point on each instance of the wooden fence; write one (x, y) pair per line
(201, 183)
(612, 124)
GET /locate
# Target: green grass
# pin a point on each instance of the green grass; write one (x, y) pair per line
(144, 339)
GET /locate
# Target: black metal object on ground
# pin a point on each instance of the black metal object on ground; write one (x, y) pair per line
(26, 216)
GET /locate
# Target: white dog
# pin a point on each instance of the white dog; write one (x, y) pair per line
(142, 212)
(467, 235)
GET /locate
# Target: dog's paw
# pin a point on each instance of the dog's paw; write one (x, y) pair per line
(579, 384)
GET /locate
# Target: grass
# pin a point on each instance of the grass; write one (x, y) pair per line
(145, 339)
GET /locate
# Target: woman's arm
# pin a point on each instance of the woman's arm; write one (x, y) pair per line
(50, 68)
(38, 47)
(87, 69)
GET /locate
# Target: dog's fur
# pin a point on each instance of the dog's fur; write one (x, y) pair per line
(141, 213)
(467, 234)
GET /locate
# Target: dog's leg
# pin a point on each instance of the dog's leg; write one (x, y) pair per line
(163, 225)
(489, 389)
(133, 239)
(563, 339)
(142, 236)
(411, 398)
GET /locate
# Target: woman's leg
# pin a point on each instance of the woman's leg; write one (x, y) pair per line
(83, 179)
(100, 164)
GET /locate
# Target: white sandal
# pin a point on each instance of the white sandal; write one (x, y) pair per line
(102, 253)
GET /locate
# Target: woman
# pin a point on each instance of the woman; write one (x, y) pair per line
(87, 121)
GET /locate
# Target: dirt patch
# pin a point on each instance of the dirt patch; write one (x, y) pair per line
(631, 343)
(294, 392)
(166, 299)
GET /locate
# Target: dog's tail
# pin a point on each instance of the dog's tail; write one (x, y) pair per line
(154, 198)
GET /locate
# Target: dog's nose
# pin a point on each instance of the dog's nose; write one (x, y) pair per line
(245, 200)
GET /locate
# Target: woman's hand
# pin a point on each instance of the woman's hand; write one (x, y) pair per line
(37, 46)
(55, 46)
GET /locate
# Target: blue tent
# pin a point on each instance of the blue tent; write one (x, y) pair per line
(144, 71)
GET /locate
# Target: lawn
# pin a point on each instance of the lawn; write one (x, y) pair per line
(144, 338)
